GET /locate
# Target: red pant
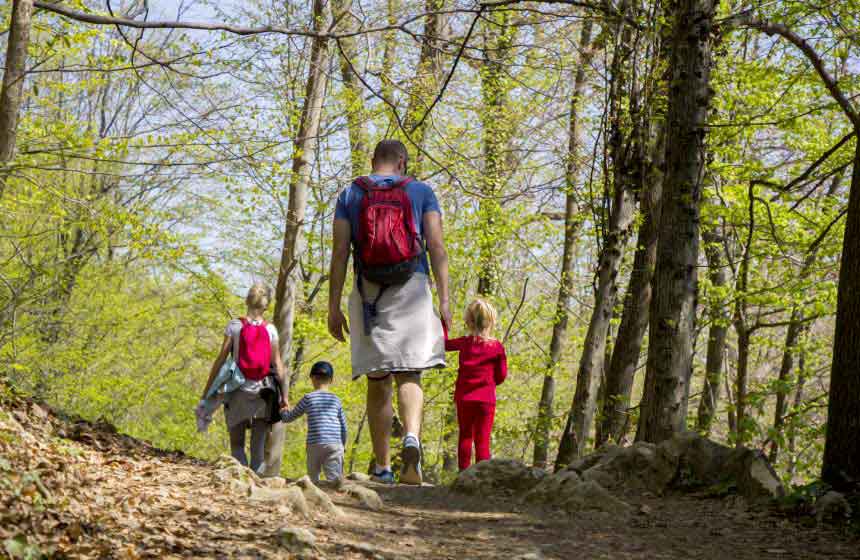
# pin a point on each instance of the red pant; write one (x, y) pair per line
(476, 425)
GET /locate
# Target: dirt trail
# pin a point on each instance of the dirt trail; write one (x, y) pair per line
(72, 489)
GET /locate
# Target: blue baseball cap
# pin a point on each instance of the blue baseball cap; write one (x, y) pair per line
(322, 369)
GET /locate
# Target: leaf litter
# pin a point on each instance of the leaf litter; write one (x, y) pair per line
(71, 488)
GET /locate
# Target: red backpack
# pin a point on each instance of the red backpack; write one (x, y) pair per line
(388, 248)
(255, 350)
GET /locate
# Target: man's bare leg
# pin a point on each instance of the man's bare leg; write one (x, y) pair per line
(379, 415)
(410, 403)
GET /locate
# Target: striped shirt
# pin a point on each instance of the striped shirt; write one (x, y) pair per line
(326, 420)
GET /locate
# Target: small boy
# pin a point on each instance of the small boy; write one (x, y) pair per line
(326, 425)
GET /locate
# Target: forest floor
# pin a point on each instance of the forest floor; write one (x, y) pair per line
(69, 488)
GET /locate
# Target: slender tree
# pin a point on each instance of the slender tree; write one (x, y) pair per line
(572, 225)
(423, 88)
(496, 127)
(634, 319)
(11, 92)
(356, 112)
(717, 329)
(304, 150)
(621, 147)
(672, 315)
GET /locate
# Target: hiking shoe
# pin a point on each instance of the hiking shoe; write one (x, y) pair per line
(411, 456)
(385, 476)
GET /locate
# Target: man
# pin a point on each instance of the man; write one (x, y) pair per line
(395, 334)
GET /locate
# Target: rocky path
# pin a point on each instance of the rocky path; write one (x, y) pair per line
(72, 489)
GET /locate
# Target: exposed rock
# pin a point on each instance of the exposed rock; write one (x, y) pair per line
(274, 482)
(368, 497)
(832, 507)
(640, 467)
(296, 498)
(296, 540)
(551, 487)
(359, 477)
(602, 477)
(687, 461)
(702, 463)
(236, 478)
(589, 495)
(498, 475)
(264, 494)
(566, 490)
(317, 498)
(582, 464)
(366, 549)
(291, 497)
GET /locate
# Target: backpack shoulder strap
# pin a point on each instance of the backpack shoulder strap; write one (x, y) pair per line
(364, 182)
(403, 182)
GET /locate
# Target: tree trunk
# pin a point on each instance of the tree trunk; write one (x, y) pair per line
(621, 144)
(672, 312)
(496, 129)
(792, 336)
(289, 280)
(304, 150)
(572, 224)
(717, 332)
(389, 52)
(742, 327)
(744, 338)
(356, 115)
(424, 86)
(631, 332)
(13, 77)
(791, 437)
(841, 466)
(593, 352)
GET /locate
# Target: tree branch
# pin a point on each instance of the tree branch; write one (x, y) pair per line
(98, 19)
(770, 28)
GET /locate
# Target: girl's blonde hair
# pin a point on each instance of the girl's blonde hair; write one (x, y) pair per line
(481, 316)
(258, 297)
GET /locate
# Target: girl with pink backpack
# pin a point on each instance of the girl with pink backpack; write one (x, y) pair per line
(253, 345)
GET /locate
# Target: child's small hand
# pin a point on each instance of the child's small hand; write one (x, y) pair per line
(285, 406)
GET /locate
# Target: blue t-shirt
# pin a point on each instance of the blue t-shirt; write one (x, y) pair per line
(422, 197)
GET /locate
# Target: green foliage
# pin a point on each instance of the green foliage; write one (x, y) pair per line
(143, 201)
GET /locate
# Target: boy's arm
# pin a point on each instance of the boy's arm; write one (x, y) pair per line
(301, 408)
(342, 417)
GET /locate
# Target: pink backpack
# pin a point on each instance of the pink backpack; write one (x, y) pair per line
(255, 350)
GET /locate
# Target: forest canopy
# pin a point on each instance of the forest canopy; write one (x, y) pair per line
(662, 199)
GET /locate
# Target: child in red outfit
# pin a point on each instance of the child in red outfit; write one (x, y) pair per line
(483, 365)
